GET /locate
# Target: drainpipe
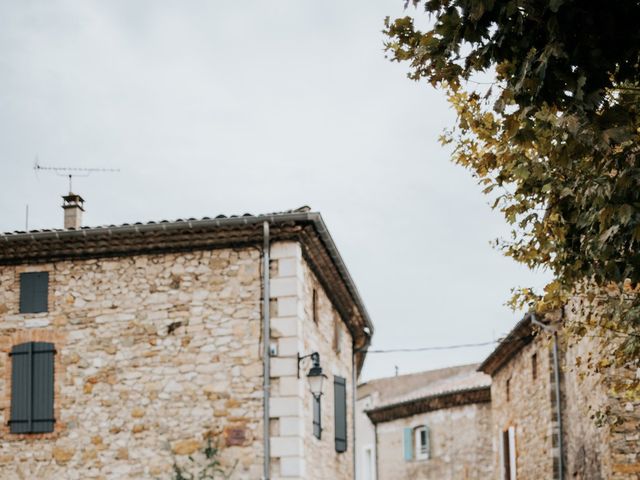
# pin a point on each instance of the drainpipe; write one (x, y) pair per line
(353, 402)
(266, 355)
(556, 376)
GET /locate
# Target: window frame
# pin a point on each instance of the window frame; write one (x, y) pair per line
(422, 451)
(36, 301)
(39, 393)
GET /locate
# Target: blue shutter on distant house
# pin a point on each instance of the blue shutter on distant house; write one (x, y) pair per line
(34, 292)
(340, 403)
(32, 389)
(408, 444)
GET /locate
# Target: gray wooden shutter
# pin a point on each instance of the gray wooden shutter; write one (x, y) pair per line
(34, 292)
(317, 417)
(340, 402)
(32, 388)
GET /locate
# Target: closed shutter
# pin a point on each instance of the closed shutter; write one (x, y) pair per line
(32, 389)
(512, 452)
(317, 418)
(340, 402)
(407, 443)
(34, 292)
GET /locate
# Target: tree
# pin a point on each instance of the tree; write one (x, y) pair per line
(554, 139)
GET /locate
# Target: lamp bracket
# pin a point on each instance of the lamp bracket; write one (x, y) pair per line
(315, 358)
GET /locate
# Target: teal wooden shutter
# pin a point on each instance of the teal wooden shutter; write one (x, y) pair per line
(34, 292)
(340, 403)
(408, 444)
(32, 388)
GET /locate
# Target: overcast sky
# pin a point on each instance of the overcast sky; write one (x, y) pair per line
(212, 107)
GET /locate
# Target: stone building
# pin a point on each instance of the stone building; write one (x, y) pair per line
(430, 425)
(546, 399)
(125, 348)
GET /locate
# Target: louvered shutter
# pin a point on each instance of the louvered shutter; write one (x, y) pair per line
(34, 292)
(407, 443)
(340, 402)
(317, 418)
(32, 389)
(427, 433)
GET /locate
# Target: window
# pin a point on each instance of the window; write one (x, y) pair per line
(340, 414)
(421, 436)
(34, 292)
(314, 305)
(417, 443)
(508, 453)
(368, 464)
(32, 389)
(337, 333)
(317, 417)
(508, 388)
(534, 366)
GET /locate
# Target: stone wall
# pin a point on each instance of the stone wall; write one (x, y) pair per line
(461, 447)
(527, 405)
(154, 353)
(297, 330)
(603, 428)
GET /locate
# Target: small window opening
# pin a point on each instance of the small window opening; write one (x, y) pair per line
(422, 443)
(508, 389)
(314, 305)
(34, 292)
(534, 366)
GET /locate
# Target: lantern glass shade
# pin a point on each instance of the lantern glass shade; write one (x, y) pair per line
(316, 378)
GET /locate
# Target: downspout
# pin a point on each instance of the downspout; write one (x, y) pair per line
(266, 356)
(375, 448)
(353, 401)
(556, 377)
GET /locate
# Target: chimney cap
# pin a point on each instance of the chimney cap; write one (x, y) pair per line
(73, 200)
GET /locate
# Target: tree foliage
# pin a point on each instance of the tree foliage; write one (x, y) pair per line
(554, 136)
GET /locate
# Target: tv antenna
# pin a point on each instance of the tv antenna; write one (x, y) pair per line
(72, 171)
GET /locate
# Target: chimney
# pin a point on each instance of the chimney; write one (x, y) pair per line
(73, 207)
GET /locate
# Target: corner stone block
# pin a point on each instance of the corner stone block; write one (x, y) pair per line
(283, 367)
(289, 306)
(286, 447)
(284, 287)
(284, 327)
(292, 467)
(288, 267)
(285, 407)
(285, 250)
(291, 427)
(289, 346)
(292, 387)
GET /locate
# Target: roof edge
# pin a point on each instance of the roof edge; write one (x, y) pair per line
(429, 403)
(519, 337)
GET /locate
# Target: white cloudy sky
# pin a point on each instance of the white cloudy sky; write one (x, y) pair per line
(212, 107)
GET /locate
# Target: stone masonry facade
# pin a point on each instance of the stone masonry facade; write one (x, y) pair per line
(460, 445)
(522, 397)
(156, 353)
(297, 329)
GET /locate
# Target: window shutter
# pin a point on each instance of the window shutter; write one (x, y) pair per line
(34, 292)
(408, 444)
(340, 402)
(427, 433)
(512, 452)
(317, 419)
(32, 389)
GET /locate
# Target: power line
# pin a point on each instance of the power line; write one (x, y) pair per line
(444, 347)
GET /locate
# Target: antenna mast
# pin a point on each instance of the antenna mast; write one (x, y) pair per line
(72, 171)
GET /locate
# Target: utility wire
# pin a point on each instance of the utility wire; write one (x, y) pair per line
(425, 349)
